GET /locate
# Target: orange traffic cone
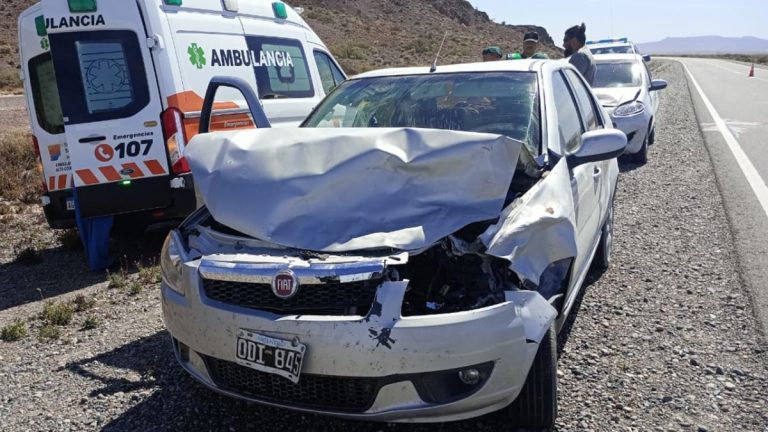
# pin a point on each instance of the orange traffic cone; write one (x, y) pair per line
(752, 71)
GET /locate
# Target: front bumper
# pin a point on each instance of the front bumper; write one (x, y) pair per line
(395, 354)
(636, 129)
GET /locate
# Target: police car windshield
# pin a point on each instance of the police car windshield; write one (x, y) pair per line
(504, 103)
(617, 74)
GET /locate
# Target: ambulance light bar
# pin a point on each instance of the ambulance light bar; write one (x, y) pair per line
(79, 6)
(280, 10)
(173, 2)
(40, 26)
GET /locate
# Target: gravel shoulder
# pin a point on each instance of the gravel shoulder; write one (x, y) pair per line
(665, 340)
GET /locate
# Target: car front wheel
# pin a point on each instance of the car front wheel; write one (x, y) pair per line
(536, 405)
(602, 259)
(641, 157)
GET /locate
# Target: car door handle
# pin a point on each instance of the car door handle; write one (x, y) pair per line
(92, 139)
(596, 173)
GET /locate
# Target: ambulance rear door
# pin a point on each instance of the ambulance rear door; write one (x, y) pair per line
(111, 105)
(45, 117)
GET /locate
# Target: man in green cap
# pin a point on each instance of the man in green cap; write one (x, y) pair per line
(492, 53)
(531, 46)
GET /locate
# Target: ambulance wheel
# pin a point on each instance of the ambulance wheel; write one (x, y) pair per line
(536, 405)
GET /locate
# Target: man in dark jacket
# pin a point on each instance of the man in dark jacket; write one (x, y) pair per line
(580, 56)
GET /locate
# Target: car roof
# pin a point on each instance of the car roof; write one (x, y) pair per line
(617, 57)
(494, 66)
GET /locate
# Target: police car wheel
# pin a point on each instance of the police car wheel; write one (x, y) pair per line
(641, 157)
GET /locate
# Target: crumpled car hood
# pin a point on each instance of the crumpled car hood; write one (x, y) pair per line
(340, 190)
(613, 97)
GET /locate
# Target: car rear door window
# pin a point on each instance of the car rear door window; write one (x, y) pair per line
(330, 75)
(568, 120)
(105, 75)
(584, 100)
(281, 68)
(45, 94)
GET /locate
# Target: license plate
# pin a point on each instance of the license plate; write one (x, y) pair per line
(70, 204)
(270, 355)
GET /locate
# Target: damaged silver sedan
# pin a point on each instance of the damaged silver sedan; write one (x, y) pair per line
(407, 255)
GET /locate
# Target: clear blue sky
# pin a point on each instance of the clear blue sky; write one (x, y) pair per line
(639, 20)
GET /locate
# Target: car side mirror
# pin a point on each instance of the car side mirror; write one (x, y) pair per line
(646, 58)
(598, 145)
(657, 85)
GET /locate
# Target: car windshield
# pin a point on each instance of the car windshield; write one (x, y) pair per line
(617, 74)
(622, 49)
(504, 103)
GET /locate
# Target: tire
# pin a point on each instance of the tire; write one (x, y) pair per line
(602, 259)
(641, 157)
(536, 405)
(652, 137)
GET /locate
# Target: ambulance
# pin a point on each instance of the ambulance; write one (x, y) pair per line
(115, 90)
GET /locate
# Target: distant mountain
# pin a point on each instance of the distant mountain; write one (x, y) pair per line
(706, 45)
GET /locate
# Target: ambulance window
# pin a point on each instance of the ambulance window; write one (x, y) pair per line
(281, 68)
(104, 72)
(330, 75)
(45, 94)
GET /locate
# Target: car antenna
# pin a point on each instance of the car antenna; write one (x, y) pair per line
(437, 57)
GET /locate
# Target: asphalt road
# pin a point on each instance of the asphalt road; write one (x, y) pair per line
(732, 109)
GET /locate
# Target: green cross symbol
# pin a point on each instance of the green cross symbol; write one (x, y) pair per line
(44, 44)
(196, 56)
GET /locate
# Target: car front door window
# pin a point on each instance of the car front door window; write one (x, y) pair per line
(568, 120)
(585, 101)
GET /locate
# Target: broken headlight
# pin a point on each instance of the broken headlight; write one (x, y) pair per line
(171, 262)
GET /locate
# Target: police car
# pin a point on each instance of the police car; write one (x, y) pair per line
(614, 46)
(624, 86)
(115, 90)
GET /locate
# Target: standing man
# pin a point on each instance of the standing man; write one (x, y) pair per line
(574, 42)
(492, 53)
(531, 46)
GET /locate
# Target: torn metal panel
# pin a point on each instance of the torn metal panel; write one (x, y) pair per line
(538, 229)
(341, 190)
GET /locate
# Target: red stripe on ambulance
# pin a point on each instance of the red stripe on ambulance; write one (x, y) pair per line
(87, 177)
(155, 167)
(63, 181)
(110, 173)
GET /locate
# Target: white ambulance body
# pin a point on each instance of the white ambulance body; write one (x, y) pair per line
(131, 78)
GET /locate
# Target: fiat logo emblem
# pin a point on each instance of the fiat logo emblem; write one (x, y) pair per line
(285, 284)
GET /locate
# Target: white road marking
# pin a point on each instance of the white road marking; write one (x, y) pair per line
(754, 179)
(744, 73)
